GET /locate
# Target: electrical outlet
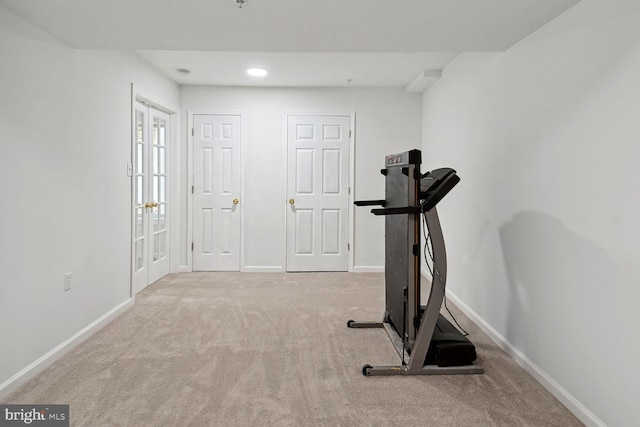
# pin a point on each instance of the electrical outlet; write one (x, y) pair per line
(67, 281)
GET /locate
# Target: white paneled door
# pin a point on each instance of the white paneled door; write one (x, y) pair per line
(150, 196)
(216, 192)
(318, 151)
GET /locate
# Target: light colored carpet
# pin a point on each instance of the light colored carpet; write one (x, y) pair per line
(236, 349)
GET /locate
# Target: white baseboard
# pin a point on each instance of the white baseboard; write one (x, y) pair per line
(56, 353)
(368, 269)
(570, 402)
(263, 269)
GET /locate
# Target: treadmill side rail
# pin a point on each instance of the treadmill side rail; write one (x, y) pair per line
(372, 371)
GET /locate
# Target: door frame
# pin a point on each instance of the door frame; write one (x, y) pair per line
(150, 99)
(190, 178)
(285, 196)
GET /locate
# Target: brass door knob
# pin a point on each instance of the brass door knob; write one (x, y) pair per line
(291, 201)
(236, 201)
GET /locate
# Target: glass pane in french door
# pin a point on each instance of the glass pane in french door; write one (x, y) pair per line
(159, 189)
(139, 189)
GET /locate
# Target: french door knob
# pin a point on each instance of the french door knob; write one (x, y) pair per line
(292, 201)
(236, 201)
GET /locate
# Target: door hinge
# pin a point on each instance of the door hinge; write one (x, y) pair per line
(349, 190)
(193, 189)
(349, 133)
(348, 246)
(191, 245)
(192, 132)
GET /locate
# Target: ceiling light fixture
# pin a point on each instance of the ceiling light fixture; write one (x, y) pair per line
(240, 3)
(183, 71)
(257, 72)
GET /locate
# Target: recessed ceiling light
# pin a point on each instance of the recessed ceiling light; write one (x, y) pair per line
(183, 71)
(257, 72)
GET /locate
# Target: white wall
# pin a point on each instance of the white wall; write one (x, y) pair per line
(387, 121)
(543, 233)
(65, 133)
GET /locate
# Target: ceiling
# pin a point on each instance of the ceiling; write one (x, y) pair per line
(323, 43)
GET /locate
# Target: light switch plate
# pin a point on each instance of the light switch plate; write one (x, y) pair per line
(67, 281)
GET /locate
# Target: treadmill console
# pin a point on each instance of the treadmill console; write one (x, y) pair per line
(407, 158)
(435, 185)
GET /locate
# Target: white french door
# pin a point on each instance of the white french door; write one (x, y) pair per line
(317, 220)
(216, 192)
(151, 136)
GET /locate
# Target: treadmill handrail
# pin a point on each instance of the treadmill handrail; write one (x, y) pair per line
(397, 211)
(370, 202)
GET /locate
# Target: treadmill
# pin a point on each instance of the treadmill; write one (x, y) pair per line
(427, 343)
